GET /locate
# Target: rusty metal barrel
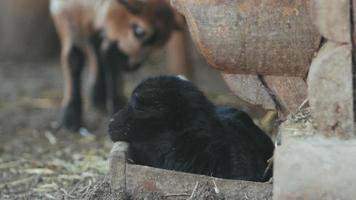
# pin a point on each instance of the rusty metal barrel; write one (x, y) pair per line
(263, 47)
(253, 36)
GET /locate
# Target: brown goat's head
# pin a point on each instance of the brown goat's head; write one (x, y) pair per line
(140, 26)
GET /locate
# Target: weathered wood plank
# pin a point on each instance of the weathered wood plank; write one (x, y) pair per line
(289, 92)
(265, 37)
(284, 94)
(171, 184)
(330, 91)
(117, 166)
(250, 89)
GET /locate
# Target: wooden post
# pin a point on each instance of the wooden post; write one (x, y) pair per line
(353, 58)
(117, 166)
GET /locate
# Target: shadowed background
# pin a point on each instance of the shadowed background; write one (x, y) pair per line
(36, 161)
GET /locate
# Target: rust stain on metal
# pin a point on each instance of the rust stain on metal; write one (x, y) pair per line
(204, 49)
(150, 186)
(210, 57)
(288, 11)
(250, 5)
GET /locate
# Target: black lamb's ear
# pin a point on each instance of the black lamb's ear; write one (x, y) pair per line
(133, 6)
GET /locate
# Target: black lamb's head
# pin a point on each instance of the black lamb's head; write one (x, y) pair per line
(157, 105)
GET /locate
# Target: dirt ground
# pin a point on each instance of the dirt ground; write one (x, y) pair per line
(38, 162)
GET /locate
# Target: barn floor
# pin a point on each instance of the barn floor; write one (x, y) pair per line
(38, 162)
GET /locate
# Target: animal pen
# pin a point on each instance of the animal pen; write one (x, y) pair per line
(293, 56)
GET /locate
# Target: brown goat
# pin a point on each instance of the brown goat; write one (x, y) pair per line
(112, 36)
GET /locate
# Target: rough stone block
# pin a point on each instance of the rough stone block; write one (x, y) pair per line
(315, 168)
(330, 91)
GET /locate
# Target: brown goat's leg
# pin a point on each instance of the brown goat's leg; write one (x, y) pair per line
(98, 88)
(73, 62)
(113, 61)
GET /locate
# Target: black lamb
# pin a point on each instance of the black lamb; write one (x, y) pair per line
(170, 124)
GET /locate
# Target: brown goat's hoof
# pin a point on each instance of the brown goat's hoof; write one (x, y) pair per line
(71, 118)
(98, 97)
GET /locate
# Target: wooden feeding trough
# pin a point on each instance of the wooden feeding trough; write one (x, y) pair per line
(175, 185)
